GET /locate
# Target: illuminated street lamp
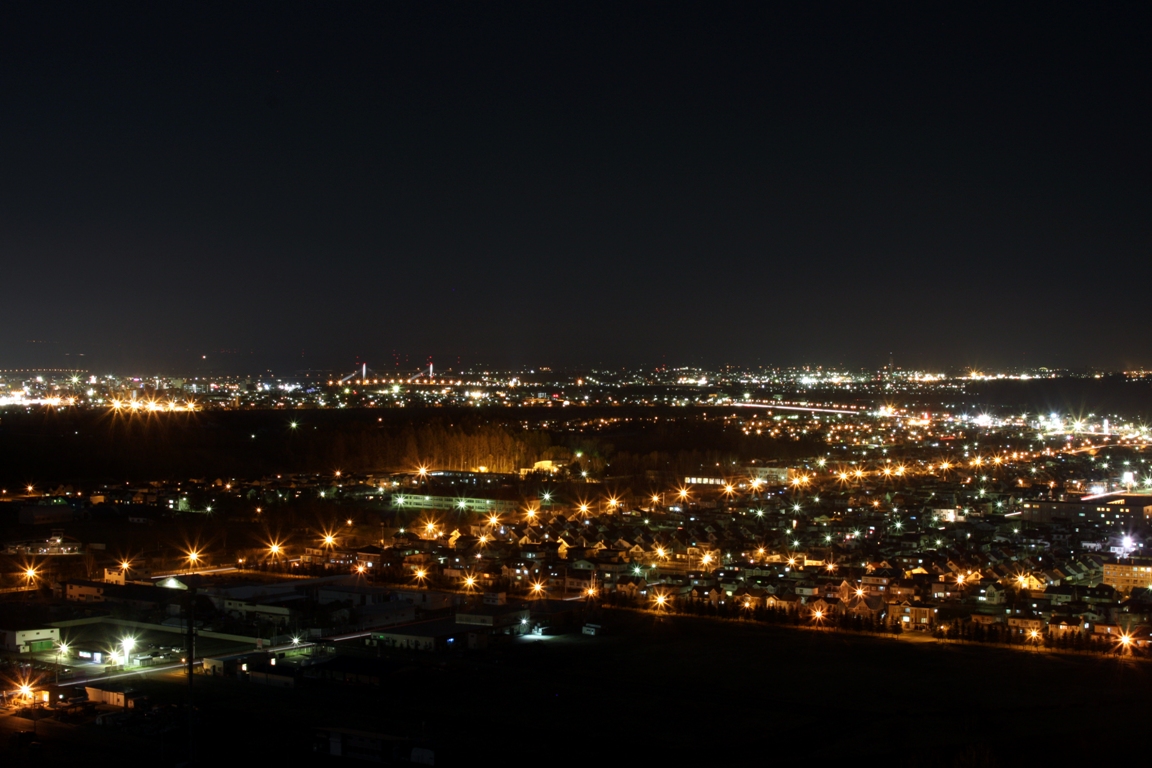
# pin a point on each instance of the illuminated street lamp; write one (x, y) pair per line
(62, 648)
(128, 644)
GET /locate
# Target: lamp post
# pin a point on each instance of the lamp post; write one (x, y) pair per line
(62, 648)
(128, 644)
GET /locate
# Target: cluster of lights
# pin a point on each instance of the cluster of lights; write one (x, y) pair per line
(152, 406)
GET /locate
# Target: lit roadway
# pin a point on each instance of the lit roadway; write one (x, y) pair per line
(199, 661)
(219, 569)
(774, 407)
(216, 569)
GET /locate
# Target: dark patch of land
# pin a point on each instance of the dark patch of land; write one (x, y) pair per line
(48, 447)
(695, 690)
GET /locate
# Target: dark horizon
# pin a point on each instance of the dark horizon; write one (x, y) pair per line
(294, 186)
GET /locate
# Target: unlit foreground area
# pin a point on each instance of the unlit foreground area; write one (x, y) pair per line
(668, 688)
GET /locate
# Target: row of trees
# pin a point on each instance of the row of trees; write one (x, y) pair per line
(47, 446)
(968, 631)
(788, 615)
(1001, 634)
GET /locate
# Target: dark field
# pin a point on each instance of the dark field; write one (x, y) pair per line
(677, 690)
(48, 447)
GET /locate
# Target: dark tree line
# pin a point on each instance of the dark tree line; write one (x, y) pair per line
(70, 446)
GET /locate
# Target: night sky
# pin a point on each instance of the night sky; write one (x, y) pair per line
(191, 186)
